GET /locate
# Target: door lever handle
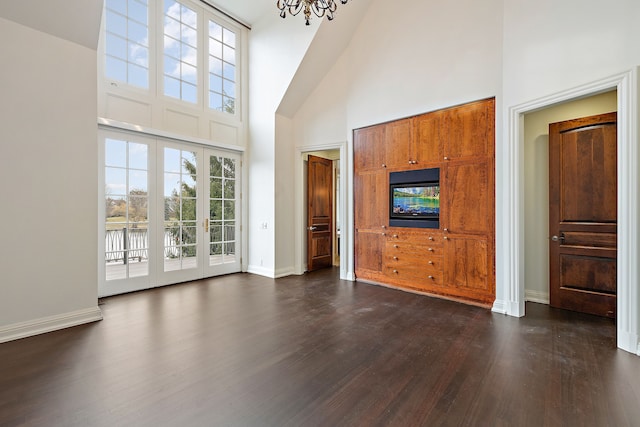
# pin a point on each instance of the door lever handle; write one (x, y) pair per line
(312, 228)
(556, 238)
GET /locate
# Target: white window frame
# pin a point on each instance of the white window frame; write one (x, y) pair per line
(154, 96)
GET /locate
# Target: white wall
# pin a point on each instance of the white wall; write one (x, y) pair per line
(276, 49)
(48, 170)
(551, 45)
(536, 193)
(284, 196)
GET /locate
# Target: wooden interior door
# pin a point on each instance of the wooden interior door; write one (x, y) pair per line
(319, 213)
(583, 214)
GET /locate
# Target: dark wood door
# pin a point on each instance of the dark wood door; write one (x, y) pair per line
(583, 214)
(319, 213)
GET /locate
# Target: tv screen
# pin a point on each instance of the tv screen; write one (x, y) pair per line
(415, 200)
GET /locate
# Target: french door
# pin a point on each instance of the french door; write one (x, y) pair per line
(170, 212)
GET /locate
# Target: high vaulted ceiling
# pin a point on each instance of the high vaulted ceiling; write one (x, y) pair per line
(79, 20)
(247, 11)
(74, 20)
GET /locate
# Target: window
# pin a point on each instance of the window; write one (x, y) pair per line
(187, 53)
(127, 42)
(222, 68)
(180, 51)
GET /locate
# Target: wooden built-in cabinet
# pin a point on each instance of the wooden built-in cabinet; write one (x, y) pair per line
(458, 259)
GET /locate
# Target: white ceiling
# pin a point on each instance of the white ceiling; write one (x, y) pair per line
(74, 20)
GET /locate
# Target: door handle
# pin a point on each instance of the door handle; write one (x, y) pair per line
(556, 238)
(312, 228)
(206, 225)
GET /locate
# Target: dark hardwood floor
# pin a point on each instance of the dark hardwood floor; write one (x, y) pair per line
(244, 350)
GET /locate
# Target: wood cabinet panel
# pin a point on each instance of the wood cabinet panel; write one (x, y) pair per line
(467, 192)
(398, 140)
(368, 254)
(369, 148)
(468, 266)
(470, 130)
(371, 194)
(429, 134)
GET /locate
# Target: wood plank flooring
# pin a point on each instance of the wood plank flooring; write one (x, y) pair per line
(244, 350)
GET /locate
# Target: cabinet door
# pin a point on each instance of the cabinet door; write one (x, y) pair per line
(428, 134)
(368, 254)
(368, 148)
(398, 139)
(468, 268)
(470, 130)
(371, 197)
(468, 195)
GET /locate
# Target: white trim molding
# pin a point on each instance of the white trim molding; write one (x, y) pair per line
(147, 131)
(346, 214)
(513, 286)
(49, 324)
(261, 271)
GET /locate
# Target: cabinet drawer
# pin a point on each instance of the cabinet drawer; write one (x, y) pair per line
(414, 273)
(429, 263)
(419, 251)
(424, 238)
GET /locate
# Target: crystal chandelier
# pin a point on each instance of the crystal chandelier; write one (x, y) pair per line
(319, 7)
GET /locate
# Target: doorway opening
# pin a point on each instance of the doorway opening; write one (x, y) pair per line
(332, 159)
(342, 231)
(511, 243)
(536, 184)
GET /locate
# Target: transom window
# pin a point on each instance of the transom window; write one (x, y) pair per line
(180, 51)
(189, 52)
(222, 68)
(127, 42)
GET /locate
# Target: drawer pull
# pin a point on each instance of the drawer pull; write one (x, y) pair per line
(384, 234)
(395, 271)
(431, 262)
(430, 277)
(395, 236)
(430, 249)
(431, 238)
(446, 238)
(384, 165)
(395, 258)
(396, 246)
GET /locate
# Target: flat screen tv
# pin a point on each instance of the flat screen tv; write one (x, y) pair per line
(415, 201)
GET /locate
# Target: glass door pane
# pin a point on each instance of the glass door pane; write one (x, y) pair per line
(223, 213)
(180, 228)
(126, 208)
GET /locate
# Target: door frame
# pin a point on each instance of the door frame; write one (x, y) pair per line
(346, 235)
(510, 215)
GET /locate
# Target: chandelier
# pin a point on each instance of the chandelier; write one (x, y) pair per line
(319, 7)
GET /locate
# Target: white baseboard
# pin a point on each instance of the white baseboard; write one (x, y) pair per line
(536, 296)
(628, 341)
(48, 324)
(261, 271)
(500, 306)
(284, 272)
